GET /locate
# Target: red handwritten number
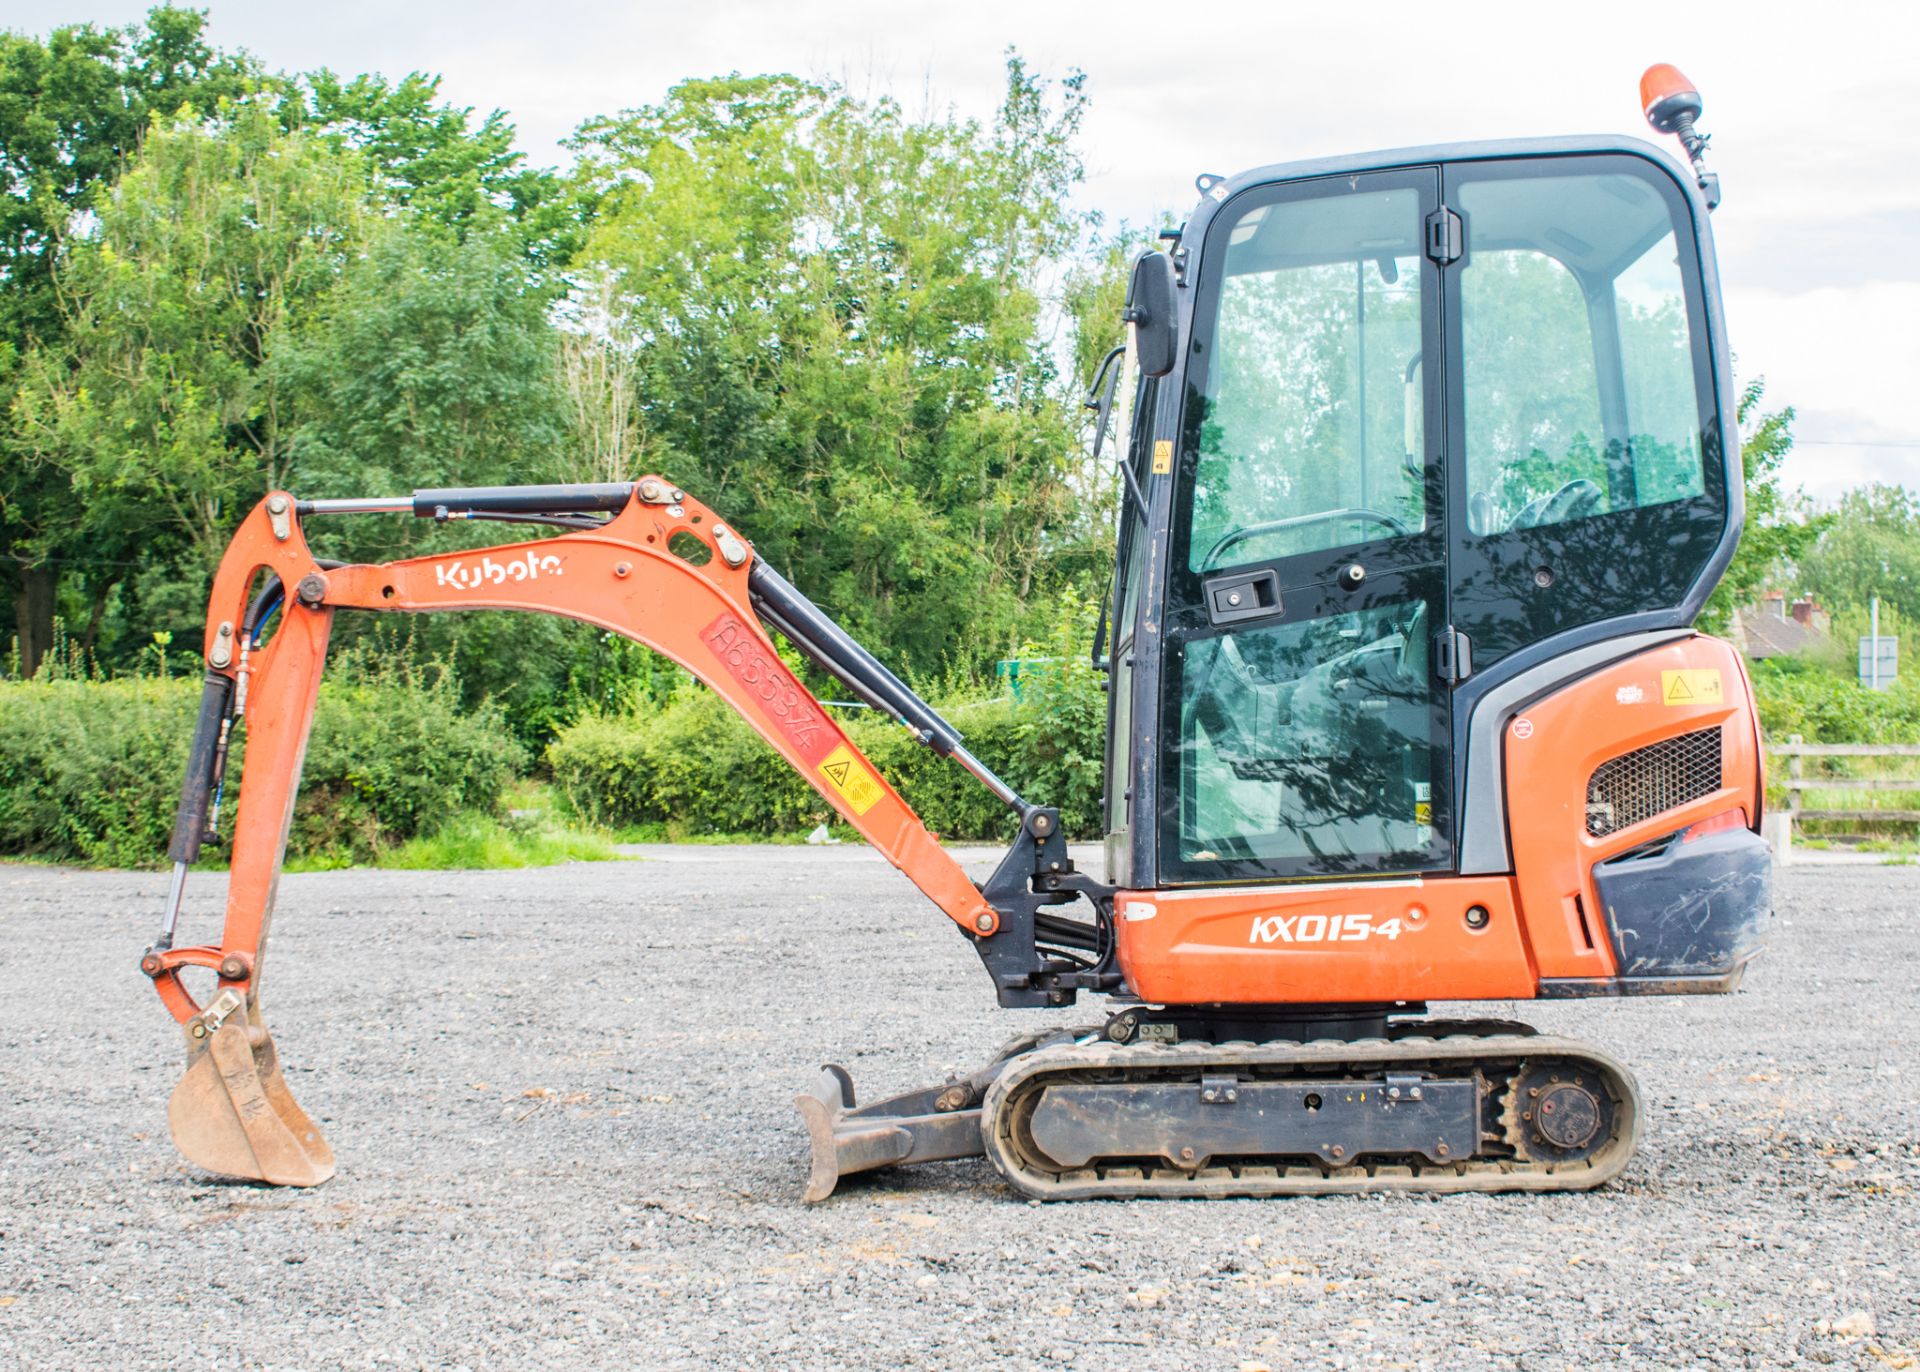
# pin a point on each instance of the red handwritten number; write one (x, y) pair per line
(734, 646)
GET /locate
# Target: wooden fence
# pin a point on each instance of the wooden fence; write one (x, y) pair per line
(1799, 781)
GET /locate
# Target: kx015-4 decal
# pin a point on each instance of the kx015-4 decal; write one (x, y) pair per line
(1320, 929)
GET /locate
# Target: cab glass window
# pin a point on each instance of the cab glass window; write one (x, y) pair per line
(1577, 363)
(1312, 746)
(1310, 433)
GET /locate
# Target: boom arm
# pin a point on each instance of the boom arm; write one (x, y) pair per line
(664, 571)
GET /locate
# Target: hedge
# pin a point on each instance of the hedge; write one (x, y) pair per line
(1796, 697)
(697, 768)
(90, 770)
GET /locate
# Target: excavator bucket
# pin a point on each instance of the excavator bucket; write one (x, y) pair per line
(232, 1113)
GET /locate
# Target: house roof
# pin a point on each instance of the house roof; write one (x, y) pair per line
(1771, 635)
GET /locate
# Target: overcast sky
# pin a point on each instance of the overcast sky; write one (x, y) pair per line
(1814, 109)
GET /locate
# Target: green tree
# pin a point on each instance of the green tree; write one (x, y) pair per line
(435, 160)
(433, 363)
(165, 404)
(1777, 533)
(73, 108)
(430, 362)
(251, 311)
(838, 328)
(1870, 546)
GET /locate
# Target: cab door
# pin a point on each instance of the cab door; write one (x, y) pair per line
(1588, 481)
(1303, 711)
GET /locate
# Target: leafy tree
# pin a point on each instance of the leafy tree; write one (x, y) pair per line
(425, 154)
(429, 363)
(432, 363)
(250, 312)
(836, 316)
(165, 403)
(599, 363)
(1870, 546)
(433, 159)
(73, 109)
(1777, 533)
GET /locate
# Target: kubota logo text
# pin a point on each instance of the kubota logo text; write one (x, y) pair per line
(470, 577)
(1320, 929)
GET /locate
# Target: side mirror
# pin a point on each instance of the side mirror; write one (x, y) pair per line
(1150, 309)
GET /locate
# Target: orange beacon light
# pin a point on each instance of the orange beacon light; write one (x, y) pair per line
(1671, 104)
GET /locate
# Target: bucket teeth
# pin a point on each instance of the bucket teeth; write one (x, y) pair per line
(233, 1114)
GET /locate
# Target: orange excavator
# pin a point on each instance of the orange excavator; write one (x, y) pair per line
(1428, 462)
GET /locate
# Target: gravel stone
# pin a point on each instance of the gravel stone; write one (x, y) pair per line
(561, 1104)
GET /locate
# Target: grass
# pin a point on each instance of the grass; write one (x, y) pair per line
(1893, 839)
(657, 832)
(1831, 835)
(1898, 845)
(529, 830)
(475, 840)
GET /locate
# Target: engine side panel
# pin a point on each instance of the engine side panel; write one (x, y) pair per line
(1645, 720)
(1697, 907)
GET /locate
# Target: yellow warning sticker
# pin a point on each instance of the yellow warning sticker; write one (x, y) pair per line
(1692, 686)
(851, 777)
(1162, 456)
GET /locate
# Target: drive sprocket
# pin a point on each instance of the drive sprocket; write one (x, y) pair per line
(1558, 1112)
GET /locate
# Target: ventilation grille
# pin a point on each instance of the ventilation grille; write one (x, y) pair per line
(1652, 780)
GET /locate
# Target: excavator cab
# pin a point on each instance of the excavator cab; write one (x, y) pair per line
(1429, 461)
(1445, 443)
(1439, 417)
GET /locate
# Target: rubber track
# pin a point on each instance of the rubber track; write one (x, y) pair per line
(1495, 1055)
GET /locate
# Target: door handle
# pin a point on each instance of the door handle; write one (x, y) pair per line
(1452, 656)
(1245, 595)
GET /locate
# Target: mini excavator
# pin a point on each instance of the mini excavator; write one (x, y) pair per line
(1428, 461)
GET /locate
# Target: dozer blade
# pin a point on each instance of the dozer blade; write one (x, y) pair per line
(232, 1113)
(935, 1124)
(921, 1126)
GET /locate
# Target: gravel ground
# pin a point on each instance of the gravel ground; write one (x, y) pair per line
(560, 1101)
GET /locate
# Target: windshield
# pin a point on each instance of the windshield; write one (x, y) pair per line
(1575, 363)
